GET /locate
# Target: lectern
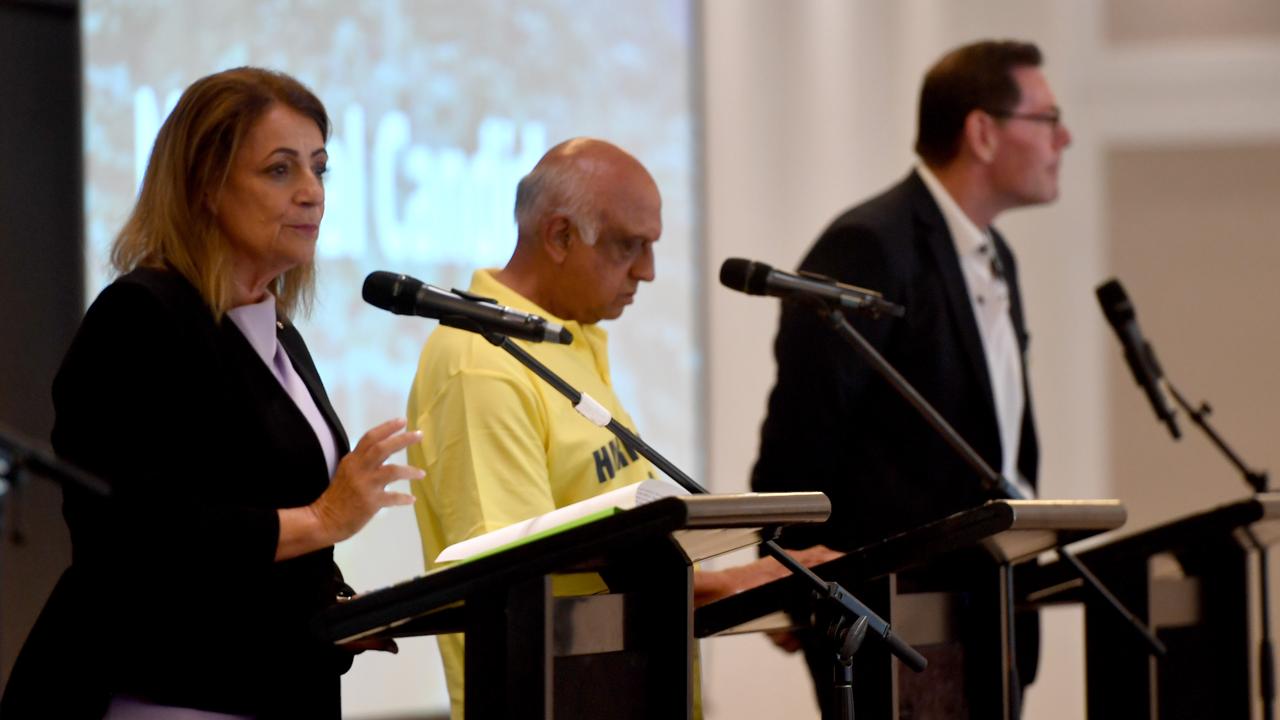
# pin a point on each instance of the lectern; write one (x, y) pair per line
(1190, 579)
(979, 549)
(624, 654)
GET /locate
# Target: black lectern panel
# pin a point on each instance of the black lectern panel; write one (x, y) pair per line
(970, 555)
(1189, 579)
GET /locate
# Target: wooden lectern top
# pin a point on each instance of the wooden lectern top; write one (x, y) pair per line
(702, 526)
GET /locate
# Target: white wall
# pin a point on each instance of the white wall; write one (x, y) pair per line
(809, 107)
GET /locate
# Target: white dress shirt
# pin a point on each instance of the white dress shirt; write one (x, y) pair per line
(989, 298)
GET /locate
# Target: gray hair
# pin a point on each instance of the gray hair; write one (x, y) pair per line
(556, 187)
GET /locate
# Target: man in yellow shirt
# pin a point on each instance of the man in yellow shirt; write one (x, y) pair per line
(499, 444)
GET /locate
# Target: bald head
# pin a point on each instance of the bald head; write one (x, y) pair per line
(588, 215)
(572, 179)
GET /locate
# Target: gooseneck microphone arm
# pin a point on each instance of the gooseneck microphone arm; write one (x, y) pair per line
(593, 411)
(832, 591)
(1257, 479)
(991, 480)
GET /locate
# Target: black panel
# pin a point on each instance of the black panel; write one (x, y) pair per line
(41, 291)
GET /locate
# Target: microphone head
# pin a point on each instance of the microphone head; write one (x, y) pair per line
(744, 275)
(1115, 302)
(391, 291)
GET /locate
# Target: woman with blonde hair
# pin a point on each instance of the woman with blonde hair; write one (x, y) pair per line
(189, 390)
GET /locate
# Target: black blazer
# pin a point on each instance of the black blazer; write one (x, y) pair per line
(173, 593)
(836, 426)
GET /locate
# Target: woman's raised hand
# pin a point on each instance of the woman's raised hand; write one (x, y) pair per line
(358, 491)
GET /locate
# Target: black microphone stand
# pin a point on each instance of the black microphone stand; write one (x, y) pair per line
(992, 481)
(850, 618)
(20, 457)
(1257, 479)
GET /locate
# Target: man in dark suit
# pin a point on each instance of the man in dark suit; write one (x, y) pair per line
(990, 138)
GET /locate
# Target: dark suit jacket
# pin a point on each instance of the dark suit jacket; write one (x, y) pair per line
(173, 593)
(836, 426)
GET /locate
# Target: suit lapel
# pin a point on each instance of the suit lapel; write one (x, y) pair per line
(293, 346)
(942, 247)
(1028, 448)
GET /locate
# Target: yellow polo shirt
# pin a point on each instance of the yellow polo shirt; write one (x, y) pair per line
(500, 445)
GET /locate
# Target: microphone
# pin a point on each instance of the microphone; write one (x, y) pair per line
(1137, 351)
(404, 295)
(757, 278)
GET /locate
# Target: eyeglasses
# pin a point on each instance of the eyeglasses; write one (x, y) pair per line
(1052, 118)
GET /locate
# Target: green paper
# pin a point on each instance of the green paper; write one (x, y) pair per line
(585, 519)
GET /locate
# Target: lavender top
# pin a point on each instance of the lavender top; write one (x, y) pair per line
(258, 324)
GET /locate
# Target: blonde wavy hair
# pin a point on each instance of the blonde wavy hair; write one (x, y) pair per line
(172, 225)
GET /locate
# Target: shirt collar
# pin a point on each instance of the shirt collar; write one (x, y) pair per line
(484, 283)
(968, 238)
(257, 322)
